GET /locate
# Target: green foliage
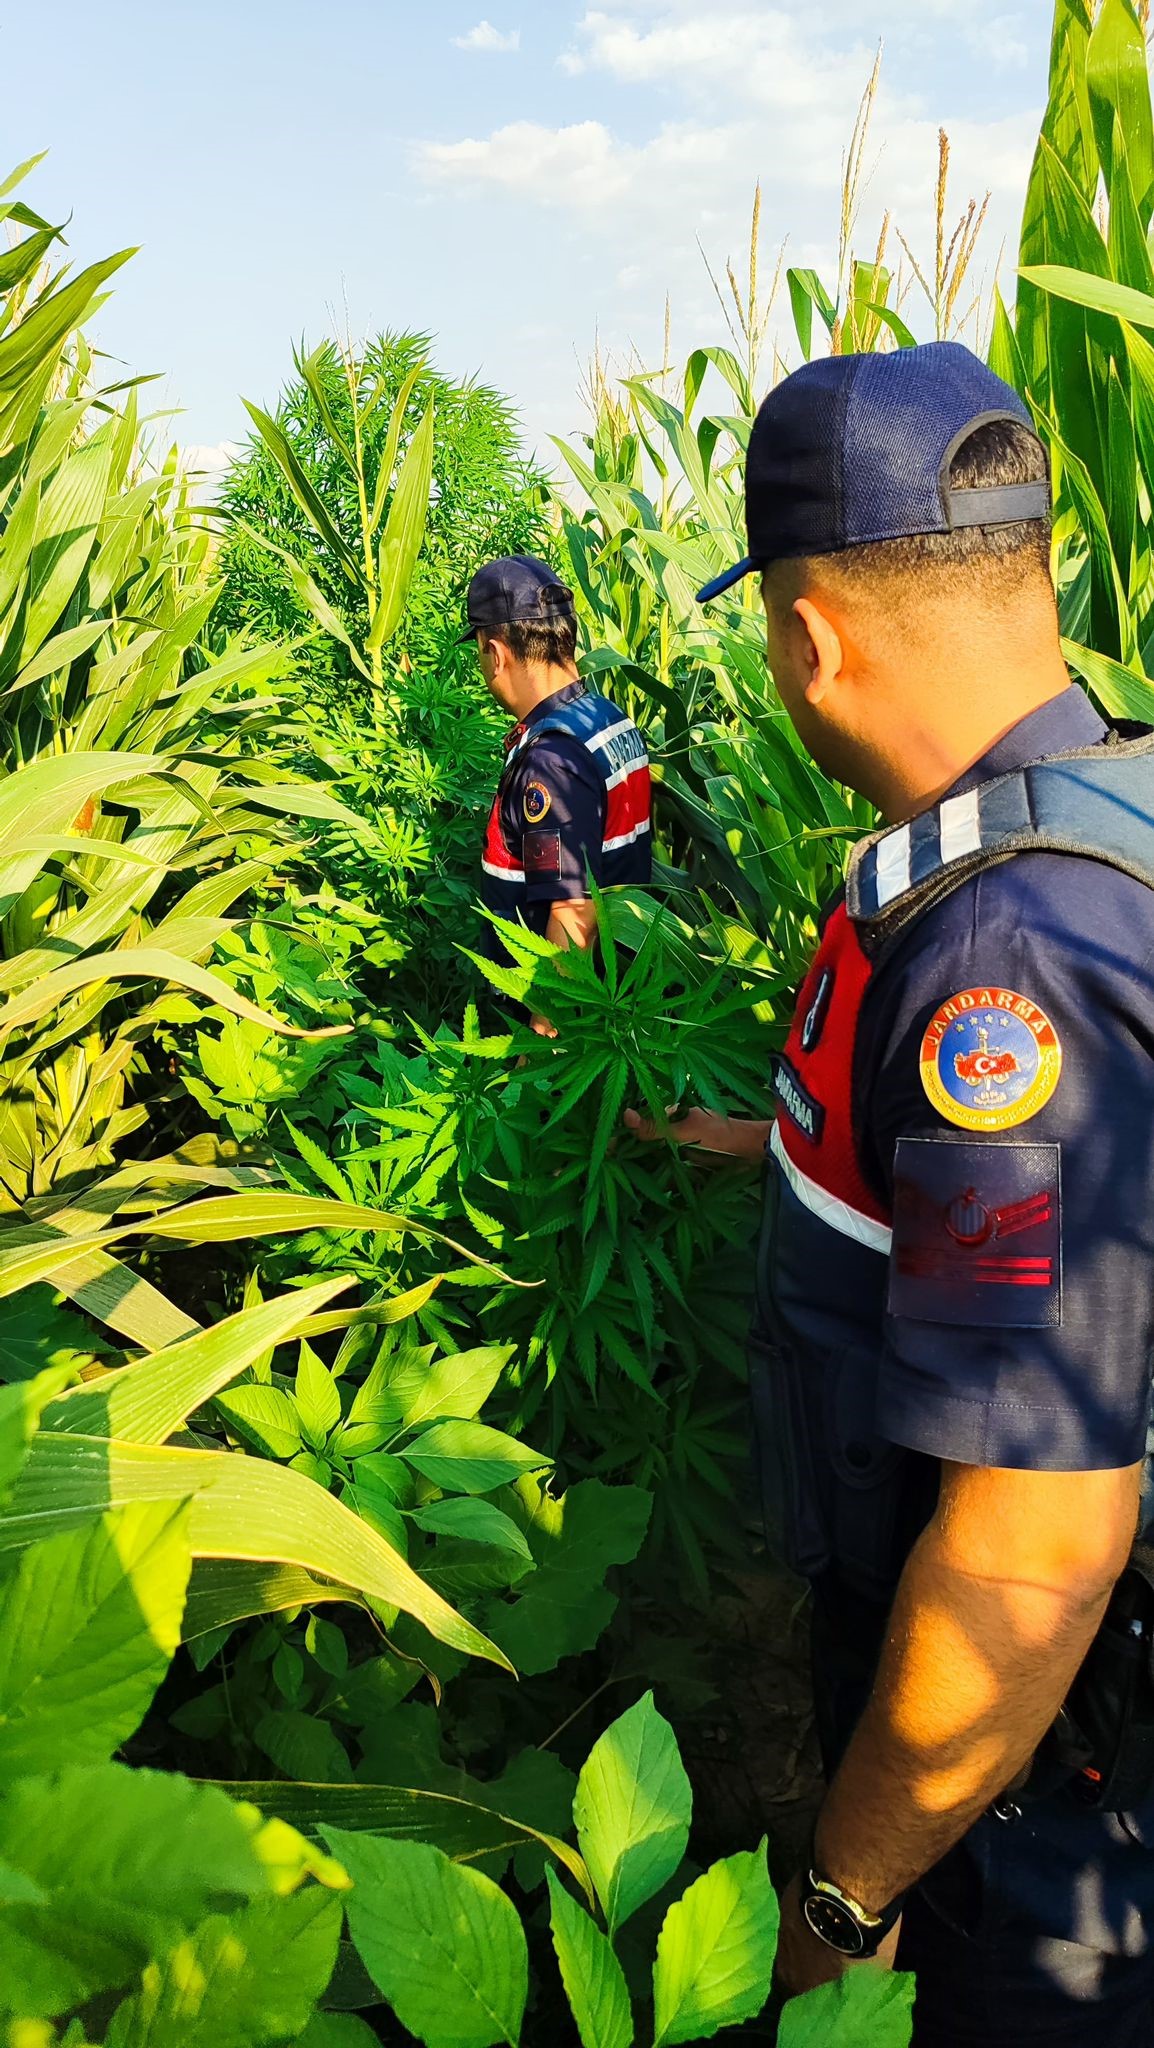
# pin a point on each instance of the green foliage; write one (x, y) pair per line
(867, 2005)
(715, 1951)
(335, 536)
(441, 1940)
(632, 1811)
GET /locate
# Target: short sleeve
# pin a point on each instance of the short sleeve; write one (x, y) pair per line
(553, 813)
(1009, 1120)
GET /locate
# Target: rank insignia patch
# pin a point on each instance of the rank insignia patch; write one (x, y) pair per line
(538, 802)
(990, 1059)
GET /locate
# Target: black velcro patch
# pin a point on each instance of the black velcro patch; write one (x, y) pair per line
(977, 1234)
(541, 853)
(799, 1105)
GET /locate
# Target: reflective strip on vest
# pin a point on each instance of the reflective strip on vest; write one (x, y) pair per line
(828, 1208)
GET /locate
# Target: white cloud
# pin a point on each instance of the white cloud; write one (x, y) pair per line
(708, 101)
(486, 37)
(205, 467)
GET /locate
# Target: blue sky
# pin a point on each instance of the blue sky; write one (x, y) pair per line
(517, 176)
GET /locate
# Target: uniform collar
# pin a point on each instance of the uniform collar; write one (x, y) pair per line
(1063, 725)
(568, 695)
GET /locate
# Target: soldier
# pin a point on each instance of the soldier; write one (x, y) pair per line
(951, 1360)
(574, 795)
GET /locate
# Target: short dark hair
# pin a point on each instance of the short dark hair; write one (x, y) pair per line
(999, 452)
(551, 641)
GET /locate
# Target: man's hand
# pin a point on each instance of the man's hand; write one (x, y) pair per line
(734, 1136)
(804, 1962)
(542, 1027)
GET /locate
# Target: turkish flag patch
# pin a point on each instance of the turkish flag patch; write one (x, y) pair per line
(977, 1234)
(541, 853)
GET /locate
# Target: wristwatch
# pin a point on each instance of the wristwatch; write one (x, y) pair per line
(839, 1921)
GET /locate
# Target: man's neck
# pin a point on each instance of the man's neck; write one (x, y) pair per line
(931, 758)
(535, 686)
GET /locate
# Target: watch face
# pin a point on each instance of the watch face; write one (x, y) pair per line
(834, 1924)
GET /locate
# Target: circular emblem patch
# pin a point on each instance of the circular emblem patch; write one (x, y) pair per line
(990, 1059)
(538, 802)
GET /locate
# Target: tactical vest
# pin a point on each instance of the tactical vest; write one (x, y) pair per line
(617, 752)
(838, 1497)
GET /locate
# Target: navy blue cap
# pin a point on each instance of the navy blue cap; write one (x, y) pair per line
(855, 449)
(517, 590)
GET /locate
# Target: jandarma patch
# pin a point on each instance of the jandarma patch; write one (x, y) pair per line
(990, 1059)
(538, 802)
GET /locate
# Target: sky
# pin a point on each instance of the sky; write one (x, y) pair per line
(523, 184)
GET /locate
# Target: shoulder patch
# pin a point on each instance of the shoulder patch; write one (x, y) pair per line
(977, 1234)
(990, 1059)
(537, 802)
(541, 853)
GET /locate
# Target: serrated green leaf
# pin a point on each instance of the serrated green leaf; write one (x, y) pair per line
(89, 1621)
(240, 1981)
(633, 1809)
(318, 1399)
(457, 1386)
(593, 1978)
(715, 1952)
(266, 1417)
(85, 1837)
(566, 1605)
(868, 2005)
(441, 1940)
(469, 1457)
(473, 1521)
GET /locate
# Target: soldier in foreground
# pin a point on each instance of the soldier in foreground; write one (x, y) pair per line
(951, 1361)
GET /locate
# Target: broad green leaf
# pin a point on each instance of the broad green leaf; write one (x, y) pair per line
(317, 1396)
(241, 1508)
(565, 1606)
(715, 1952)
(632, 1810)
(223, 1590)
(144, 963)
(88, 1624)
(458, 1386)
(218, 1220)
(240, 1981)
(469, 1457)
(1097, 294)
(868, 2005)
(1118, 80)
(593, 1978)
(164, 1851)
(1121, 693)
(472, 1521)
(302, 1747)
(338, 2030)
(39, 334)
(21, 1407)
(311, 504)
(403, 534)
(462, 1828)
(441, 1940)
(144, 1403)
(265, 1416)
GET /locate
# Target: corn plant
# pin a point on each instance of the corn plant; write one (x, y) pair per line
(1079, 346)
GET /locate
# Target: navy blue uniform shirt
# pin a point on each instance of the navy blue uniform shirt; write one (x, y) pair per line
(573, 800)
(1059, 1378)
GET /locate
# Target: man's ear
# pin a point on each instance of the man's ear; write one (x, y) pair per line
(824, 654)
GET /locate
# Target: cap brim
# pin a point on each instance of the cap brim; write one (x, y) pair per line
(470, 633)
(737, 574)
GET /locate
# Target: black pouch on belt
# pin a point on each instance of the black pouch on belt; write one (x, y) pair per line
(1111, 1702)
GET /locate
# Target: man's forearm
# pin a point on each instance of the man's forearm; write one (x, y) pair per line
(974, 1670)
